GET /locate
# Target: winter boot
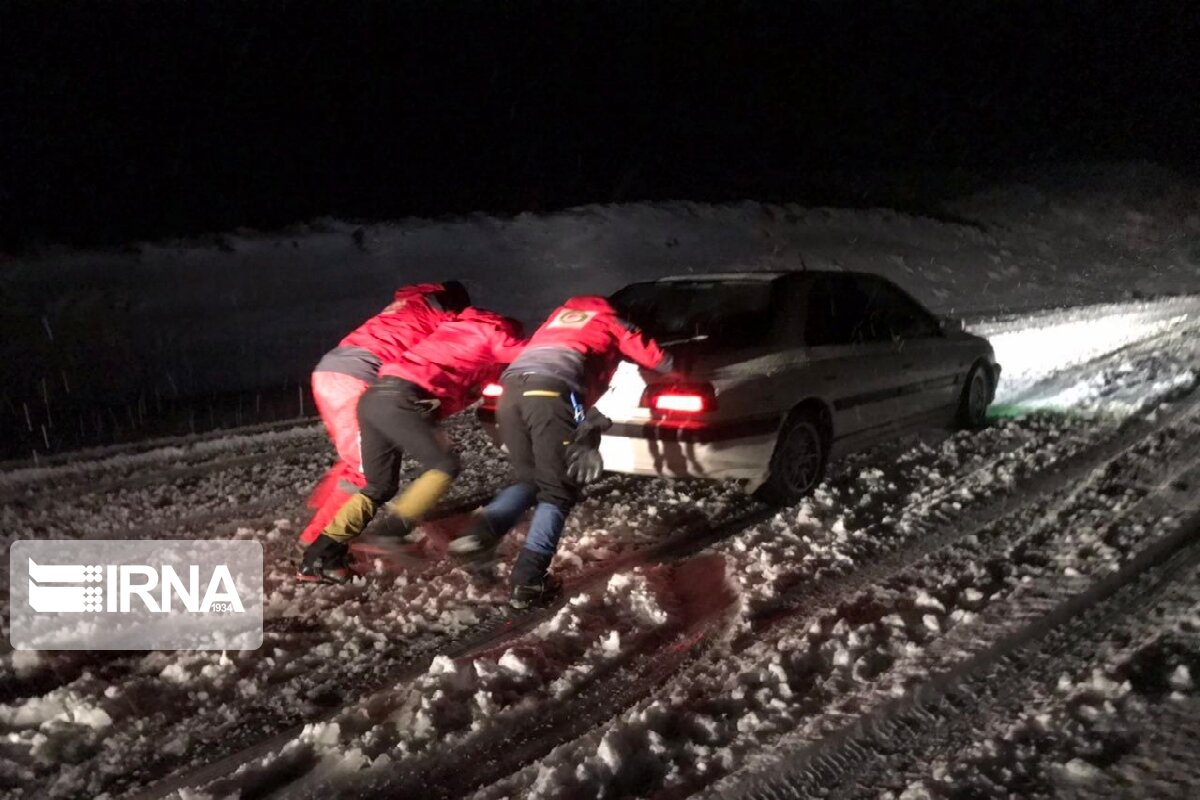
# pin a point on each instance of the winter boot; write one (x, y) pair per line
(392, 526)
(338, 486)
(478, 538)
(489, 525)
(531, 583)
(325, 561)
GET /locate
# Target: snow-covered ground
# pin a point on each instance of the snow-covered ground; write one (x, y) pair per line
(1116, 721)
(700, 636)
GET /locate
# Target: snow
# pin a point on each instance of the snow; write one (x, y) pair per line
(41, 712)
(750, 670)
(1099, 724)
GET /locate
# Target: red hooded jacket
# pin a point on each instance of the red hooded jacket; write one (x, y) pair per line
(581, 344)
(407, 320)
(463, 353)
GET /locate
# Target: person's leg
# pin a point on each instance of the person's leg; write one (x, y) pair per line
(413, 429)
(326, 559)
(492, 522)
(344, 482)
(507, 508)
(551, 423)
(381, 454)
(336, 397)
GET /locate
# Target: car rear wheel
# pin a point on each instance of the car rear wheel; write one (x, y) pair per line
(976, 394)
(798, 463)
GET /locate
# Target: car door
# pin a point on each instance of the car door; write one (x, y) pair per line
(928, 372)
(852, 366)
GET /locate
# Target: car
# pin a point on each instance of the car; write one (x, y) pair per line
(782, 372)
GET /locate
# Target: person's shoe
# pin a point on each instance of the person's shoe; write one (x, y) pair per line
(394, 527)
(478, 542)
(538, 593)
(531, 581)
(325, 561)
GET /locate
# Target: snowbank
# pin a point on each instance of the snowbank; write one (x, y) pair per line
(247, 310)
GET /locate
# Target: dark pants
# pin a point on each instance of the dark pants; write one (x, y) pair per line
(397, 417)
(537, 424)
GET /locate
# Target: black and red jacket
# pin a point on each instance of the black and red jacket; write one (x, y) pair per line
(581, 345)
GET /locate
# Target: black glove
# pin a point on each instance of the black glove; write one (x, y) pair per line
(584, 464)
(594, 423)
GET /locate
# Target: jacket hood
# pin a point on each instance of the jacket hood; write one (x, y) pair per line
(405, 292)
(590, 302)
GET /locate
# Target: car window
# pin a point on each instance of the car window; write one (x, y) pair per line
(891, 314)
(720, 312)
(837, 310)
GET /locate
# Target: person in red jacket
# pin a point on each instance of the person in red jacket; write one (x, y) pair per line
(436, 377)
(565, 368)
(344, 373)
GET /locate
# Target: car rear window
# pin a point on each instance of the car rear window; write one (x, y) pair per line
(725, 313)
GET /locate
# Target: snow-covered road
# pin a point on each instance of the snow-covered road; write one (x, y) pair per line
(701, 638)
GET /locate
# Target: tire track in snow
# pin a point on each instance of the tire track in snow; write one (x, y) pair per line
(51, 495)
(704, 603)
(1085, 468)
(87, 458)
(108, 472)
(1067, 616)
(1072, 472)
(434, 776)
(490, 635)
(1024, 610)
(66, 666)
(1111, 706)
(1079, 466)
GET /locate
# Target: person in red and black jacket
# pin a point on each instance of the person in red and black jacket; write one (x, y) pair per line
(436, 377)
(344, 373)
(547, 391)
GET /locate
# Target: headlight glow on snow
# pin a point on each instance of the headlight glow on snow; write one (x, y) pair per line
(1044, 360)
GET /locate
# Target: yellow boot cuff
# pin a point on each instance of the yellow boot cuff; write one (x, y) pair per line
(421, 495)
(351, 518)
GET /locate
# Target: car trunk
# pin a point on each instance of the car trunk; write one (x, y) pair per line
(705, 325)
(696, 362)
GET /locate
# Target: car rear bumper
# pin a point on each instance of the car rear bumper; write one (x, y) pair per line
(719, 451)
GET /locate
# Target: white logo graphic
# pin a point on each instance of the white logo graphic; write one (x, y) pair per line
(125, 581)
(63, 598)
(572, 318)
(136, 595)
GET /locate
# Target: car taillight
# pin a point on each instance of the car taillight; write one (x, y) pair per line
(689, 399)
(492, 390)
(682, 402)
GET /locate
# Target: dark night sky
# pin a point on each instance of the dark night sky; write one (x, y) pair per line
(127, 120)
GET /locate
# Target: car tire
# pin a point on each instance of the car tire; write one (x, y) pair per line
(798, 462)
(975, 397)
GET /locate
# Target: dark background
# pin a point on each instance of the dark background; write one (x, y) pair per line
(134, 120)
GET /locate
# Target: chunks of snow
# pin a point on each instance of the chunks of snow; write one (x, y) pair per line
(513, 663)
